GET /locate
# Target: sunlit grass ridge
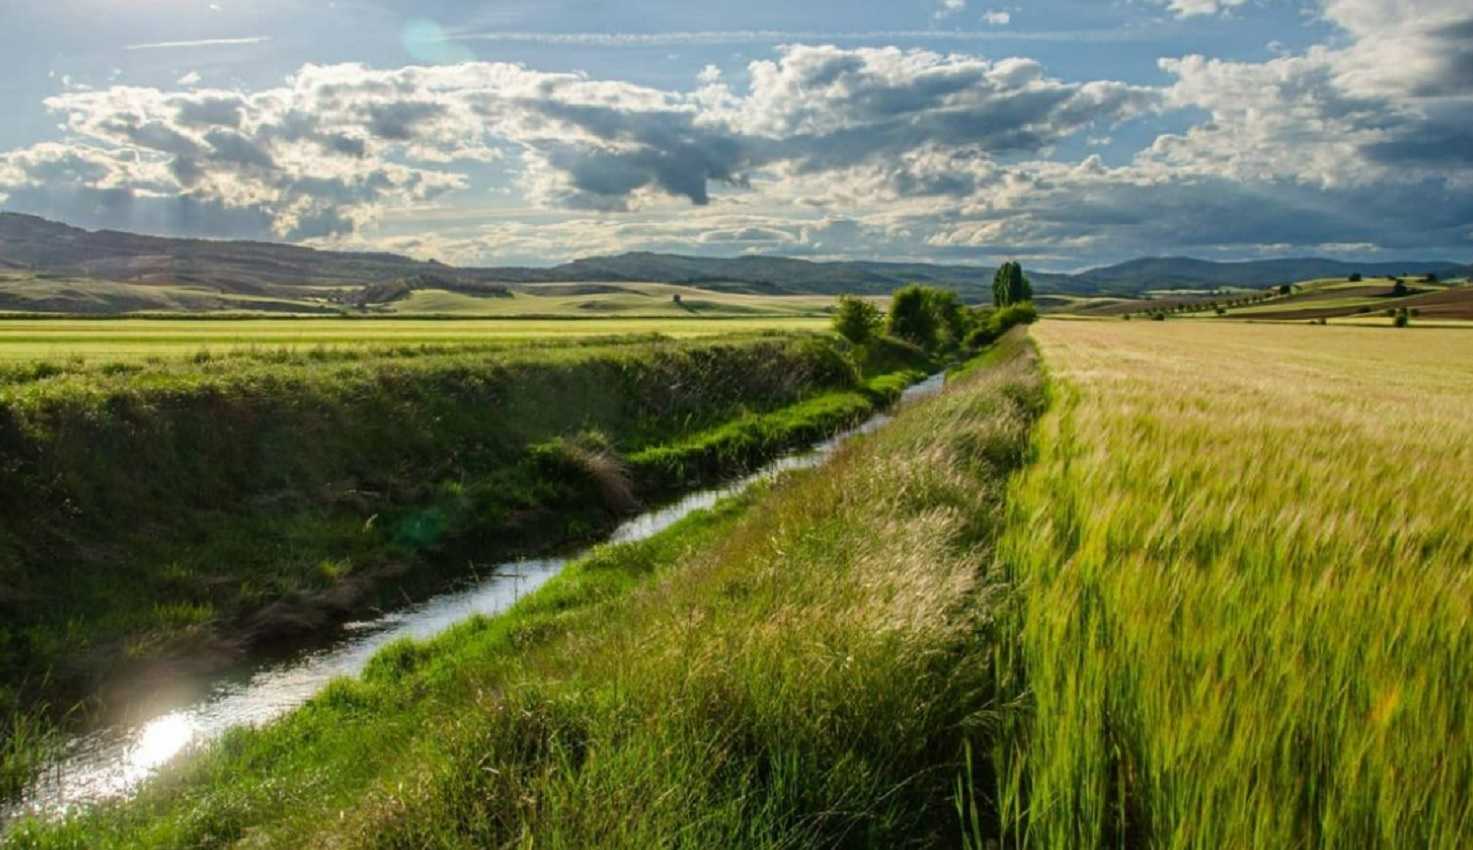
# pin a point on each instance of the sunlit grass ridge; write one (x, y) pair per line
(1245, 557)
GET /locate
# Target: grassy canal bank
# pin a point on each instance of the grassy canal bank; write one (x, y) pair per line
(169, 517)
(799, 666)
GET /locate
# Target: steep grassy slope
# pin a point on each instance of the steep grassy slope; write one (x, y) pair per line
(156, 513)
(1246, 553)
(799, 669)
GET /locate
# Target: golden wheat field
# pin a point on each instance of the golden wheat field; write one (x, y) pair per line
(1245, 558)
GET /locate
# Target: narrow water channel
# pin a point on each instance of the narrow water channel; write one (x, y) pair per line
(110, 762)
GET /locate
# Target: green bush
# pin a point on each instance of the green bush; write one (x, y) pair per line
(857, 320)
(911, 317)
(934, 319)
(998, 323)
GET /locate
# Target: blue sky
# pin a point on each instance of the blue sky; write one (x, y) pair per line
(1063, 132)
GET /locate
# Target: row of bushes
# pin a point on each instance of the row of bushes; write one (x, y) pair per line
(934, 320)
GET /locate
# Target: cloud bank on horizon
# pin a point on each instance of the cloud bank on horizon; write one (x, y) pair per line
(1341, 127)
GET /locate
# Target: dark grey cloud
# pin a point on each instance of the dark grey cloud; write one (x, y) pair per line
(211, 111)
(231, 147)
(1427, 144)
(399, 121)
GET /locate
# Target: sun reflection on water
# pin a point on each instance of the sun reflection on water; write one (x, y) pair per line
(160, 741)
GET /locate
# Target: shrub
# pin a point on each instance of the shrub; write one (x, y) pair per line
(857, 320)
(1158, 317)
(1401, 320)
(911, 317)
(952, 318)
(1000, 321)
(1399, 289)
(929, 317)
(1286, 289)
(1355, 277)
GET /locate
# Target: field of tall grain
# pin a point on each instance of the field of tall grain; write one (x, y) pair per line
(1244, 558)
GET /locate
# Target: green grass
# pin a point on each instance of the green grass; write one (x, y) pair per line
(152, 513)
(800, 667)
(130, 340)
(1245, 553)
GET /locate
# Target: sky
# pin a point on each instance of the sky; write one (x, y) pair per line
(1064, 133)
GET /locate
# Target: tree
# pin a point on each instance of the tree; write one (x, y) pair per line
(1399, 290)
(911, 316)
(1355, 277)
(857, 320)
(1010, 285)
(1401, 319)
(1429, 277)
(1286, 289)
(950, 312)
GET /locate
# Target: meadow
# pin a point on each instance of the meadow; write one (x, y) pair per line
(799, 667)
(132, 339)
(1244, 555)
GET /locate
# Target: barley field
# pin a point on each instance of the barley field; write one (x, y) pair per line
(1244, 558)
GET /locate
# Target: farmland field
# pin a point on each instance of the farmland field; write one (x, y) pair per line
(127, 339)
(30, 293)
(1246, 553)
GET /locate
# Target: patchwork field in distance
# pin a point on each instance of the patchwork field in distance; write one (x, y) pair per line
(1335, 300)
(131, 339)
(61, 295)
(1246, 551)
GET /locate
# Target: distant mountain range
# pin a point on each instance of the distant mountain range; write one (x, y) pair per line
(36, 247)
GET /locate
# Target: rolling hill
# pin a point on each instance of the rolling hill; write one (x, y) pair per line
(50, 266)
(1187, 273)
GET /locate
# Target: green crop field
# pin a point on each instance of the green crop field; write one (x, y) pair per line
(583, 300)
(131, 339)
(1246, 553)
